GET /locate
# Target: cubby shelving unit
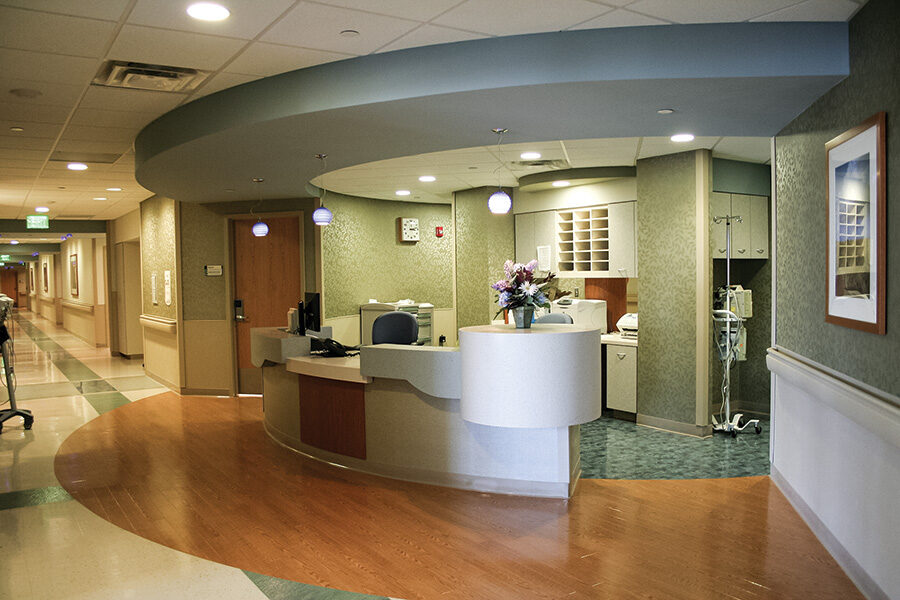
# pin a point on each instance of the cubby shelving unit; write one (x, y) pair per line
(583, 239)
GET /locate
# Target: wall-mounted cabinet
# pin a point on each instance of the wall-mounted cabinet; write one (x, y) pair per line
(750, 235)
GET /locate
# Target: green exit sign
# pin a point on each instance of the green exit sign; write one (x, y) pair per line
(37, 222)
(4, 257)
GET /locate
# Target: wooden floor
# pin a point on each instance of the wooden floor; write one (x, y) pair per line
(201, 476)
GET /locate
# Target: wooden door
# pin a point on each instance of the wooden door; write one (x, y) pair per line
(267, 279)
(9, 284)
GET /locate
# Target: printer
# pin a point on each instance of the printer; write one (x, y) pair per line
(586, 313)
(628, 325)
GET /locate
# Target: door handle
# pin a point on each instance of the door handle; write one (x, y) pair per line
(621, 355)
(741, 250)
(241, 319)
(759, 250)
(721, 250)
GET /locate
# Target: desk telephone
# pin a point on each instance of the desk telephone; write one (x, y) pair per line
(331, 348)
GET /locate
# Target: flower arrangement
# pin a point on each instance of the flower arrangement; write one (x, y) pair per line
(522, 289)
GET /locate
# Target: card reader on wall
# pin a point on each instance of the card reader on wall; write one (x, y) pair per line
(628, 325)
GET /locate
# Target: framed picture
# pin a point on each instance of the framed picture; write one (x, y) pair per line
(73, 274)
(46, 279)
(855, 248)
(31, 279)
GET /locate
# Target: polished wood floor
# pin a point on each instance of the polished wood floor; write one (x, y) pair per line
(199, 475)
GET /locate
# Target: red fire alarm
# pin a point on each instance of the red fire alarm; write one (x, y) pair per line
(438, 232)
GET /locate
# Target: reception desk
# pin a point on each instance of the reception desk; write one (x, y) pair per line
(399, 411)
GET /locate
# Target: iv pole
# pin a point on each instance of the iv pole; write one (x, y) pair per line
(6, 304)
(731, 424)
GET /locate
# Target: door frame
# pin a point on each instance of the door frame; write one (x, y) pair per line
(231, 292)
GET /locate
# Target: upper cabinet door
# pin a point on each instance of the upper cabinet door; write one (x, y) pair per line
(719, 206)
(622, 262)
(740, 230)
(526, 249)
(759, 227)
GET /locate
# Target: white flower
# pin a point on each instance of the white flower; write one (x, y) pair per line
(530, 289)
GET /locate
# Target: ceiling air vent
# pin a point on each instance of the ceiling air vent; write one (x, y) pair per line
(540, 164)
(141, 76)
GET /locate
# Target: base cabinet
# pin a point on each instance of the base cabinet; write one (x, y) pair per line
(621, 378)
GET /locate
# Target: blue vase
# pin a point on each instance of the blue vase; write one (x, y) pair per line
(523, 316)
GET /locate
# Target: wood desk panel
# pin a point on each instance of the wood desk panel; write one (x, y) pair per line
(333, 415)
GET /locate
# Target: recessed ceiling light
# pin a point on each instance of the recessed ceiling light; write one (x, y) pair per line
(77, 167)
(41, 209)
(402, 192)
(682, 137)
(208, 11)
(100, 198)
(427, 178)
(14, 242)
(349, 33)
(665, 111)
(530, 155)
(17, 129)
(113, 189)
(560, 183)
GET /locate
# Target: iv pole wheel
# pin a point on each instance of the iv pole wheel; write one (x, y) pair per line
(758, 430)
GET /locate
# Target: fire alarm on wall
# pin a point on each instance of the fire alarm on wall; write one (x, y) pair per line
(438, 232)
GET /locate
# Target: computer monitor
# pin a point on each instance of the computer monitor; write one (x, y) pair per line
(313, 312)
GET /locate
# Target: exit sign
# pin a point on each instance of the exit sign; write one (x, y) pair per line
(4, 257)
(37, 222)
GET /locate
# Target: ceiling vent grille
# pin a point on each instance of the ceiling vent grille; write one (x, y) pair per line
(540, 164)
(142, 76)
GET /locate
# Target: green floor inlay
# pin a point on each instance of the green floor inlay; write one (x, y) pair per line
(33, 497)
(93, 387)
(106, 401)
(74, 369)
(282, 589)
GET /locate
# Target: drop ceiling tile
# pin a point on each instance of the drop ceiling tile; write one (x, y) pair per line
(51, 94)
(602, 153)
(20, 143)
(427, 35)
(44, 32)
(41, 66)
(707, 11)
(34, 113)
(319, 26)
(407, 9)
(511, 17)
(219, 82)
(248, 17)
(752, 149)
(814, 10)
(92, 147)
(99, 134)
(139, 101)
(173, 48)
(271, 59)
(6, 153)
(32, 130)
(110, 10)
(620, 18)
(96, 117)
(22, 164)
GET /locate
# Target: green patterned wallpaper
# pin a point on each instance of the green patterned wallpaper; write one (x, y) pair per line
(666, 214)
(158, 234)
(801, 212)
(363, 258)
(202, 243)
(484, 242)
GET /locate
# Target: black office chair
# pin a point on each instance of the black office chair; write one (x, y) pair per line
(396, 327)
(555, 318)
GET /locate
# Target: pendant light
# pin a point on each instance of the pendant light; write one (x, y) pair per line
(499, 203)
(322, 216)
(259, 228)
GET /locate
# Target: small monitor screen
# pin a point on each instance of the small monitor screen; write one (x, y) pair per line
(312, 312)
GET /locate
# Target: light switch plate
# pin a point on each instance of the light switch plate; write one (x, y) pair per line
(409, 229)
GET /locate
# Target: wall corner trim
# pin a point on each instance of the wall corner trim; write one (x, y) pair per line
(845, 560)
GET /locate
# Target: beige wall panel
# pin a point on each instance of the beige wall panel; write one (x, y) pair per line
(281, 401)
(80, 323)
(128, 227)
(208, 361)
(161, 357)
(345, 329)
(445, 324)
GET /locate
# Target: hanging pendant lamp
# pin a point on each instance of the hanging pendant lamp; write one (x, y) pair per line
(322, 216)
(259, 228)
(499, 203)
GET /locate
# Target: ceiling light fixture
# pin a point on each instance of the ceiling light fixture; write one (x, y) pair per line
(100, 198)
(499, 203)
(208, 11)
(76, 166)
(682, 137)
(113, 189)
(560, 183)
(259, 228)
(665, 111)
(17, 129)
(14, 242)
(322, 216)
(530, 155)
(427, 178)
(402, 192)
(41, 209)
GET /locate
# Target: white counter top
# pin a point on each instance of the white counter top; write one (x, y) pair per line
(344, 368)
(617, 339)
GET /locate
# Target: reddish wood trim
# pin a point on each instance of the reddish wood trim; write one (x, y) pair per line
(612, 289)
(333, 415)
(879, 326)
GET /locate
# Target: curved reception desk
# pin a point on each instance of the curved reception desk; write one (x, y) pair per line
(431, 415)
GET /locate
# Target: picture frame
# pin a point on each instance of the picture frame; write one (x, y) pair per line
(855, 247)
(73, 274)
(46, 279)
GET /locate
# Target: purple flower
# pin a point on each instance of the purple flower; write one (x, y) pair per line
(500, 285)
(509, 267)
(504, 299)
(531, 266)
